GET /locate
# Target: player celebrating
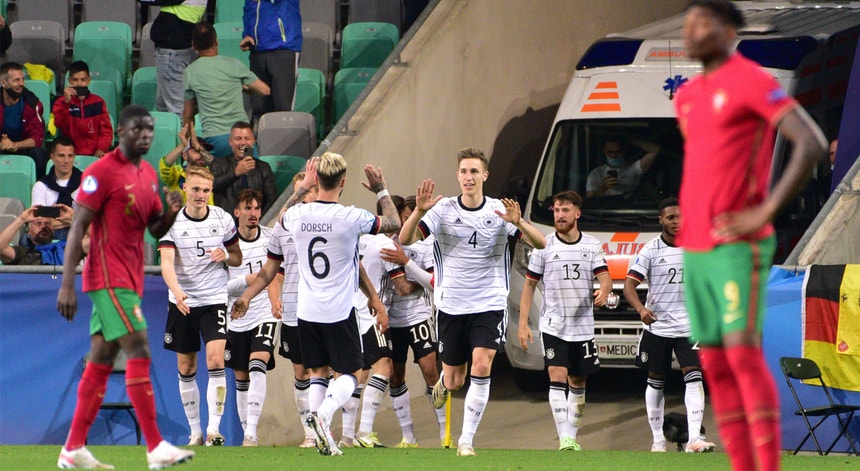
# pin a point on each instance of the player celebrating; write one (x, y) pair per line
(326, 237)
(251, 338)
(472, 275)
(119, 197)
(728, 116)
(667, 329)
(193, 253)
(410, 320)
(568, 266)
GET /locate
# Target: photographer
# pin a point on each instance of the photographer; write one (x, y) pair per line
(41, 248)
(83, 116)
(242, 171)
(620, 174)
(60, 185)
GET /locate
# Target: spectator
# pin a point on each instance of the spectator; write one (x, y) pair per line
(60, 185)
(5, 35)
(172, 172)
(620, 175)
(171, 33)
(23, 129)
(213, 88)
(82, 116)
(242, 171)
(40, 248)
(273, 34)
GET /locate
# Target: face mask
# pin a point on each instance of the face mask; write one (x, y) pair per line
(12, 93)
(615, 162)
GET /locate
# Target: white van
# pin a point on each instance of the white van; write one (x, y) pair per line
(623, 88)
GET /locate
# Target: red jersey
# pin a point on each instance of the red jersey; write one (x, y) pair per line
(125, 198)
(728, 119)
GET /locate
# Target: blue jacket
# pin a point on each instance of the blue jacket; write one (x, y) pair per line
(274, 24)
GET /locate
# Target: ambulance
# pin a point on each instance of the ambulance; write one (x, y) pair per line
(623, 89)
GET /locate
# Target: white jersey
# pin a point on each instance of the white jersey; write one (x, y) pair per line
(471, 257)
(282, 248)
(568, 270)
(253, 258)
(326, 237)
(415, 307)
(663, 266)
(378, 271)
(204, 281)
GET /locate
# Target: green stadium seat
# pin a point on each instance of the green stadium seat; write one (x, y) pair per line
(17, 175)
(81, 162)
(285, 167)
(103, 44)
(310, 96)
(228, 10)
(42, 90)
(367, 44)
(348, 84)
(143, 87)
(107, 90)
(229, 36)
(166, 136)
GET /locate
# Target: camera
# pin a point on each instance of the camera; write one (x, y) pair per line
(47, 212)
(82, 92)
(612, 173)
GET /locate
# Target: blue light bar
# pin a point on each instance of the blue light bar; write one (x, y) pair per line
(608, 52)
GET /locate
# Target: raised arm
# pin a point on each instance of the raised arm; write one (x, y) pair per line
(306, 186)
(159, 225)
(424, 200)
(376, 183)
(513, 215)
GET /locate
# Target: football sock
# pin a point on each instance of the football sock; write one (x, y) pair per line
(654, 407)
(316, 392)
(440, 413)
(694, 399)
(190, 395)
(91, 391)
(575, 407)
(760, 401)
(216, 395)
(350, 412)
(373, 394)
(139, 389)
(474, 405)
(339, 392)
(256, 395)
(728, 407)
(242, 401)
(403, 411)
(558, 405)
(302, 402)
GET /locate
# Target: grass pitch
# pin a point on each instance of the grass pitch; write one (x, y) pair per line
(41, 457)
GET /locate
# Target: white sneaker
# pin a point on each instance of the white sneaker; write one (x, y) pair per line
(465, 449)
(80, 458)
(346, 442)
(658, 447)
(310, 442)
(166, 455)
(699, 445)
(249, 441)
(324, 442)
(196, 439)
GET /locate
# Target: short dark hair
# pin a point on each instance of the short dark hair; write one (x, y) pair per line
(725, 11)
(241, 125)
(396, 199)
(248, 195)
(408, 202)
(667, 202)
(7, 66)
(78, 66)
(61, 141)
(130, 112)
(568, 196)
(203, 36)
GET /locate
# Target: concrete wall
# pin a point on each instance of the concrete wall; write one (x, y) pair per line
(481, 73)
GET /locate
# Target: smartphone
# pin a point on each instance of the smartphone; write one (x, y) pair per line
(612, 173)
(82, 92)
(48, 212)
(249, 152)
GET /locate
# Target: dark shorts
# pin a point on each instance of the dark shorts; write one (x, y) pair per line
(182, 333)
(460, 334)
(655, 353)
(580, 358)
(337, 345)
(374, 346)
(290, 348)
(240, 346)
(421, 338)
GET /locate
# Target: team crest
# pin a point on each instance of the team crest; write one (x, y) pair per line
(285, 347)
(550, 353)
(168, 338)
(227, 355)
(90, 184)
(584, 255)
(441, 346)
(644, 357)
(214, 229)
(489, 221)
(138, 313)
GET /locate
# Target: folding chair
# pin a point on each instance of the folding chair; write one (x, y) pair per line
(803, 369)
(17, 176)
(119, 369)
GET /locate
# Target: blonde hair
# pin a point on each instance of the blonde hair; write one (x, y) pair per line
(199, 171)
(331, 168)
(472, 153)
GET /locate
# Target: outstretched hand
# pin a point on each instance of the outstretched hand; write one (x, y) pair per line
(375, 181)
(512, 212)
(424, 199)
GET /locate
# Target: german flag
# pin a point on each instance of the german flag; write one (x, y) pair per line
(831, 323)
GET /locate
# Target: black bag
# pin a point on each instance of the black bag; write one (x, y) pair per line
(160, 3)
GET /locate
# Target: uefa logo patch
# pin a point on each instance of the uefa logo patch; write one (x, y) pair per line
(90, 184)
